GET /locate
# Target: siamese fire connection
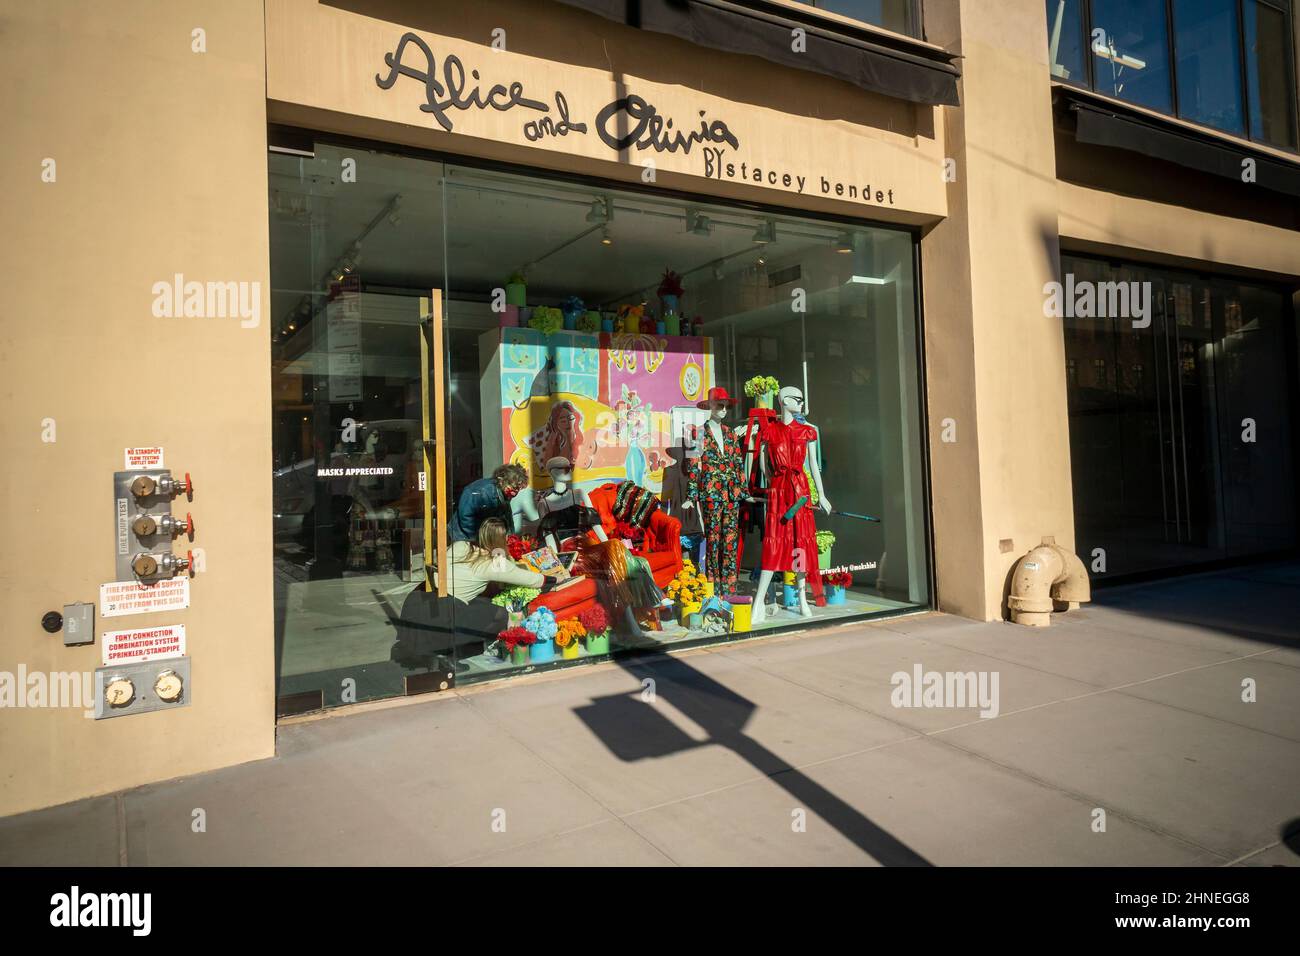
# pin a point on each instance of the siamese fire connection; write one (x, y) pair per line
(1045, 575)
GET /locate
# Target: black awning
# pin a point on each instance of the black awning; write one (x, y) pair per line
(1100, 126)
(928, 77)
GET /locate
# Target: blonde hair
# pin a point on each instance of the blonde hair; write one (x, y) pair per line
(492, 540)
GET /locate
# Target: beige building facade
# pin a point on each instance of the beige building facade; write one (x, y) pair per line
(279, 239)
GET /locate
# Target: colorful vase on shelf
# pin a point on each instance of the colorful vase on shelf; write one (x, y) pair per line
(607, 323)
(598, 643)
(541, 652)
(570, 650)
(672, 324)
(766, 400)
(835, 594)
(519, 655)
(516, 293)
(510, 317)
(669, 301)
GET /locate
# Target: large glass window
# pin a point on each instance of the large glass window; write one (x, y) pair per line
(651, 421)
(1130, 51)
(901, 16)
(1270, 73)
(1207, 45)
(1233, 60)
(1182, 452)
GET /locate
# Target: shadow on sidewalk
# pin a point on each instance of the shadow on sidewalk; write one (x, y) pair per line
(634, 730)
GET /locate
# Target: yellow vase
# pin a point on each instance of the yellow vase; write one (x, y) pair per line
(570, 650)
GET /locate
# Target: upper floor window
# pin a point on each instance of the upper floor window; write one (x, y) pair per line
(901, 16)
(1227, 64)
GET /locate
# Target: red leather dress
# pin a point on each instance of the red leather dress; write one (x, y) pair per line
(786, 448)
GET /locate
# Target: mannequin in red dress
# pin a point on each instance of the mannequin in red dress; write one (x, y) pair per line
(788, 545)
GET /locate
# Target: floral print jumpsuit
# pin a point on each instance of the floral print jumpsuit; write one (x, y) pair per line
(716, 483)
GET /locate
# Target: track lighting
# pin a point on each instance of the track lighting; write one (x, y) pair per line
(765, 232)
(844, 243)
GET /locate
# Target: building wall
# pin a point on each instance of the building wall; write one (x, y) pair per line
(160, 157)
(995, 364)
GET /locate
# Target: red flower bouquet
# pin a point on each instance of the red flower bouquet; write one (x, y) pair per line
(513, 637)
(840, 579)
(595, 619)
(671, 284)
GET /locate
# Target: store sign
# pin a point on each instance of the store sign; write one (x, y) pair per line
(629, 122)
(144, 644)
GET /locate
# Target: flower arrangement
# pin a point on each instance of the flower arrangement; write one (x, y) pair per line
(568, 632)
(761, 385)
(588, 322)
(825, 539)
(517, 278)
(595, 620)
(689, 587)
(517, 289)
(838, 579)
(517, 545)
(513, 637)
(671, 284)
(542, 623)
(546, 319)
(516, 598)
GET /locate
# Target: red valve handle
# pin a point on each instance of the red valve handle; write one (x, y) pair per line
(189, 488)
(189, 559)
(189, 526)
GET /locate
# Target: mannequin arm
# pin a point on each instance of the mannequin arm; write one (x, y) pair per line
(813, 455)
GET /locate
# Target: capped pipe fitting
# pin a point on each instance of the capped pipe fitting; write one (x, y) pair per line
(1045, 576)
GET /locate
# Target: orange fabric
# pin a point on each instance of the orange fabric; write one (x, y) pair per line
(662, 549)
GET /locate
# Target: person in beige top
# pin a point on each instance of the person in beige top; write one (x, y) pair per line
(472, 566)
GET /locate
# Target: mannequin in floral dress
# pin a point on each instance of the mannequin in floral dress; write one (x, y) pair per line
(789, 545)
(716, 485)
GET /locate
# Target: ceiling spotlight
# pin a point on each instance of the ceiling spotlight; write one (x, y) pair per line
(844, 243)
(605, 238)
(762, 260)
(599, 211)
(765, 233)
(698, 224)
(292, 326)
(717, 270)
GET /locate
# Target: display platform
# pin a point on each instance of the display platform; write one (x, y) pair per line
(857, 607)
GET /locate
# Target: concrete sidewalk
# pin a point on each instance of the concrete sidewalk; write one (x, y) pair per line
(1131, 706)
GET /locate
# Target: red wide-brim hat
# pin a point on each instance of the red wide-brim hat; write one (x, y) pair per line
(716, 395)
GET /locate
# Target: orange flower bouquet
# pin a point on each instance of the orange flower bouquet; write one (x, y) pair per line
(567, 635)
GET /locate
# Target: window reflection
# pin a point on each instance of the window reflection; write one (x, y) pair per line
(1065, 40)
(1130, 49)
(1207, 45)
(1270, 78)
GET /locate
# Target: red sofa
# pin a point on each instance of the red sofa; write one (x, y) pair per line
(662, 549)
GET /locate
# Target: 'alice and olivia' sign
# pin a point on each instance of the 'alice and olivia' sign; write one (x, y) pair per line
(626, 123)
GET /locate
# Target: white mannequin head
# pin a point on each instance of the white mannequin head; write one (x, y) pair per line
(561, 471)
(791, 400)
(718, 410)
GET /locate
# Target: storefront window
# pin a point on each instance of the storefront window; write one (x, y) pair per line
(646, 409)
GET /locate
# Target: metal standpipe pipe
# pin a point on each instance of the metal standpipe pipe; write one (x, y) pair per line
(1045, 576)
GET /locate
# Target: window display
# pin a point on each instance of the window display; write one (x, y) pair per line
(605, 486)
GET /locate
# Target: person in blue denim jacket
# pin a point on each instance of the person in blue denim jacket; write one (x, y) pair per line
(492, 497)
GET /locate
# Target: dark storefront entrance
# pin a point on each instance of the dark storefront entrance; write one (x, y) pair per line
(1181, 431)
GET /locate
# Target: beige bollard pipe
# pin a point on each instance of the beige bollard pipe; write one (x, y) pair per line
(1046, 575)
